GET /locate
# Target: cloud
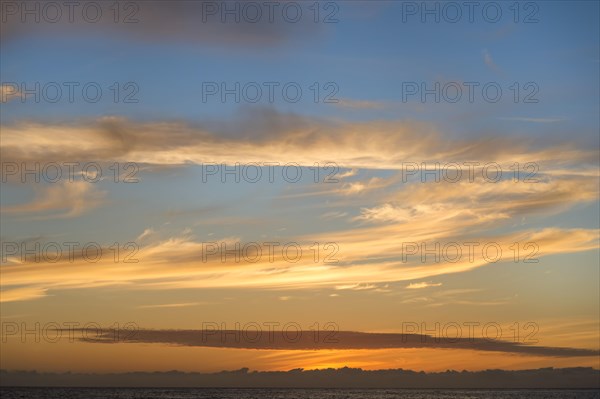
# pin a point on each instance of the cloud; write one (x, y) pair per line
(169, 305)
(357, 187)
(415, 286)
(334, 215)
(370, 247)
(533, 120)
(366, 258)
(341, 340)
(145, 234)
(263, 135)
(489, 62)
(465, 204)
(166, 21)
(21, 294)
(356, 287)
(60, 200)
(349, 173)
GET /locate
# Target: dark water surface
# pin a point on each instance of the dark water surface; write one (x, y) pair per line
(205, 393)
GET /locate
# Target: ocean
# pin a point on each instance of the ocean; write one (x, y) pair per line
(227, 393)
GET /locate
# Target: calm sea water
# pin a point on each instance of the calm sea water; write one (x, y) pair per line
(144, 393)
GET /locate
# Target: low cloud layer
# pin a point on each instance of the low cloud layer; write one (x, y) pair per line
(339, 340)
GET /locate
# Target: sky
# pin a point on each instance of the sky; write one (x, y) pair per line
(173, 171)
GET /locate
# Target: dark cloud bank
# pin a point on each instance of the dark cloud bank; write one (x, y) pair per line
(549, 378)
(338, 340)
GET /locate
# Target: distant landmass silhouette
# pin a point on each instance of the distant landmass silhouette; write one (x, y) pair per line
(548, 378)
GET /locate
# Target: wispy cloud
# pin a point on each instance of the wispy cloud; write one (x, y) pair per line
(370, 246)
(415, 286)
(22, 294)
(145, 234)
(60, 200)
(270, 137)
(489, 62)
(170, 305)
(532, 120)
(360, 265)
